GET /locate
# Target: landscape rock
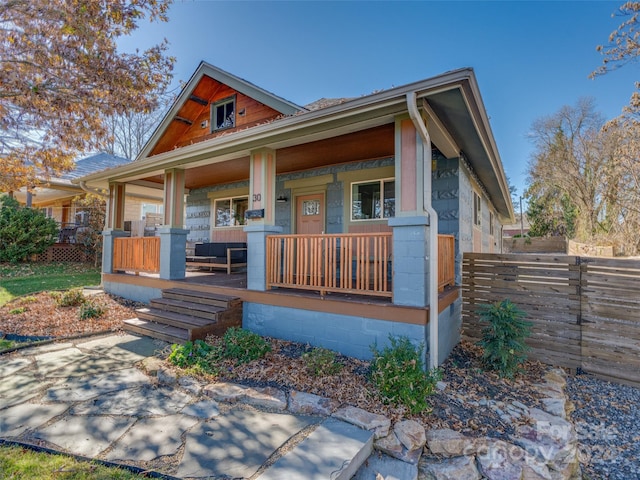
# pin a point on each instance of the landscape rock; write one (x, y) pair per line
(166, 376)
(411, 434)
(382, 467)
(455, 468)
(378, 424)
(392, 446)
(266, 397)
(225, 392)
(310, 404)
(151, 365)
(190, 384)
(450, 443)
(555, 406)
(499, 460)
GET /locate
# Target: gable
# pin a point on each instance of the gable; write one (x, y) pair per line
(192, 122)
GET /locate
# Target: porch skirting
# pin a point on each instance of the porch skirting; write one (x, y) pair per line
(349, 335)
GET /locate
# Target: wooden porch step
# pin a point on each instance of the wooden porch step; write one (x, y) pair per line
(179, 320)
(167, 333)
(205, 298)
(187, 308)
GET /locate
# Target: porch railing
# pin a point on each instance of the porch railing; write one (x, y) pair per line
(446, 261)
(347, 263)
(137, 254)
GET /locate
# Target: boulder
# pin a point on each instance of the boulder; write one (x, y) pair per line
(378, 424)
(456, 468)
(392, 446)
(450, 443)
(411, 434)
(310, 404)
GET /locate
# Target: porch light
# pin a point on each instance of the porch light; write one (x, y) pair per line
(281, 199)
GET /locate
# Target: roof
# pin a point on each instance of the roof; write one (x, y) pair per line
(458, 124)
(94, 163)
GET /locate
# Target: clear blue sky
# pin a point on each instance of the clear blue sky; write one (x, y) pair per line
(530, 58)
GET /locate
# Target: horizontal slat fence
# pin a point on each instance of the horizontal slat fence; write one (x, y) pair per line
(136, 254)
(611, 318)
(585, 311)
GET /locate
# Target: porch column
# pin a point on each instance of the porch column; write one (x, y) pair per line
(411, 223)
(108, 239)
(115, 206)
(262, 201)
(173, 236)
(262, 185)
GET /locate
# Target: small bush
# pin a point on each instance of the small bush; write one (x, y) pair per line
(503, 337)
(91, 310)
(243, 346)
(321, 362)
(398, 373)
(26, 300)
(18, 311)
(192, 355)
(71, 298)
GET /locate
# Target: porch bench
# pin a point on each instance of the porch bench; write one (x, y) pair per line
(219, 255)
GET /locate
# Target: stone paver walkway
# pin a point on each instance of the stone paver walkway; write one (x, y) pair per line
(88, 397)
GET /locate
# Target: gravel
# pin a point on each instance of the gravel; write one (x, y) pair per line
(607, 422)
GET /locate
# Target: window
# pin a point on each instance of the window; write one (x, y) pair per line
(229, 212)
(223, 114)
(477, 210)
(373, 200)
(491, 222)
(152, 208)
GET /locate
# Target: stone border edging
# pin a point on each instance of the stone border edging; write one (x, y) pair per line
(545, 449)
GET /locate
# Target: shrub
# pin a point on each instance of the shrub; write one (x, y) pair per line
(18, 311)
(192, 355)
(503, 337)
(321, 361)
(23, 231)
(398, 373)
(71, 298)
(91, 310)
(243, 346)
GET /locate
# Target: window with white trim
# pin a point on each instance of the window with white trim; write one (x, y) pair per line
(229, 212)
(375, 199)
(477, 210)
(223, 114)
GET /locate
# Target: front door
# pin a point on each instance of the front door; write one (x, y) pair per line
(310, 214)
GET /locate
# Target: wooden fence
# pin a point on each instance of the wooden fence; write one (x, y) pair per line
(585, 311)
(136, 254)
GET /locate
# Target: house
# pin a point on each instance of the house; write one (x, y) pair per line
(58, 197)
(355, 212)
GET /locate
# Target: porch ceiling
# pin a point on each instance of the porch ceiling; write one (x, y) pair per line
(376, 142)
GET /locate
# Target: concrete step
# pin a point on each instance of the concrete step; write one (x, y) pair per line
(167, 333)
(187, 308)
(205, 298)
(335, 450)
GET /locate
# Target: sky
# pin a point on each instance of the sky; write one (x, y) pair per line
(530, 57)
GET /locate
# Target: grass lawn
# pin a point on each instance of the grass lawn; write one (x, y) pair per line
(20, 463)
(25, 278)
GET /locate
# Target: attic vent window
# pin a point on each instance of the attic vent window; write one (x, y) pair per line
(223, 114)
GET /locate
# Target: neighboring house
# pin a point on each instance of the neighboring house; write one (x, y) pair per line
(334, 198)
(520, 227)
(57, 197)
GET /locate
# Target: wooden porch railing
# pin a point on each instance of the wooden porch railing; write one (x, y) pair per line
(446, 261)
(347, 263)
(137, 254)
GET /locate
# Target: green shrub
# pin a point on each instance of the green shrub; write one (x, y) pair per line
(192, 355)
(503, 337)
(91, 309)
(71, 298)
(27, 299)
(398, 373)
(321, 361)
(23, 231)
(243, 346)
(18, 311)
